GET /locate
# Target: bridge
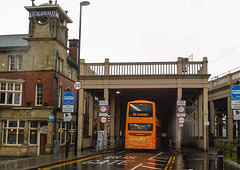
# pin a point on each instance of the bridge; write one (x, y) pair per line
(161, 82)
(222, 125)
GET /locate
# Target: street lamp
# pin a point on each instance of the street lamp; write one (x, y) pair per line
(83, 3)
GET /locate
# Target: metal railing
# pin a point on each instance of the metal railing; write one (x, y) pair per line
(229, 148)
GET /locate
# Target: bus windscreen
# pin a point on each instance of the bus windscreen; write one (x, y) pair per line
(140, 110)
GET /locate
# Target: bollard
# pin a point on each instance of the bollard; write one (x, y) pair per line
(238, 154)
(220, 159)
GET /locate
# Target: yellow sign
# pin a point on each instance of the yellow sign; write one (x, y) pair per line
(21, 113)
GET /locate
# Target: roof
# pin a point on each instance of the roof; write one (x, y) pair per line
(17, 40)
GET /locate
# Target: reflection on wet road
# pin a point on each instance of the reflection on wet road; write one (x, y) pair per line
(188, 159)
(123, 160)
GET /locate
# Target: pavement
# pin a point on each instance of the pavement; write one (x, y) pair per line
(27, 163)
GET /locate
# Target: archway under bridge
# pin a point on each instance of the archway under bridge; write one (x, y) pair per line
(164, 83)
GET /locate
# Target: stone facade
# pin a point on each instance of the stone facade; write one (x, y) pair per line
(35, 70)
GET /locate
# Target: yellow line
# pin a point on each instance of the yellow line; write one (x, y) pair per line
(67, 163)
(172, 163)
(168, 163)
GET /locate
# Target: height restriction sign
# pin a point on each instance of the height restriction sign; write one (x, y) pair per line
(103, 108)
(181, 108)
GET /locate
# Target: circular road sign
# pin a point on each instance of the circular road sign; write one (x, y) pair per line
(235, 91)
(68, 98)
(77, 85)
(103, 109)
(103, 119)
(181, 109)
(181, 120)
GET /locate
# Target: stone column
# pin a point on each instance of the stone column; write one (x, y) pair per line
(117, 129)
(205, 119)
(91, 116)
(200, 121)
(26, 132)
(112, 121)
(106, 96)
(212, 116)
(229, 119)
(50, 136)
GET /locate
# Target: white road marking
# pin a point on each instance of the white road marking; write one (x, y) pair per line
(155, 156)
(149, 167)
(136, 166)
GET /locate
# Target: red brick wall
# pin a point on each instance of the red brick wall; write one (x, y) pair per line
(44, 77)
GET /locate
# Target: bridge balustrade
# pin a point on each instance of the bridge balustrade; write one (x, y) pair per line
(144, 68)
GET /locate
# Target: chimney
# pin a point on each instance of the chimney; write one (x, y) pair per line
(73, 49)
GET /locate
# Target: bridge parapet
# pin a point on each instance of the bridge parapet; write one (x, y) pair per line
(224, 79)
(144, 68)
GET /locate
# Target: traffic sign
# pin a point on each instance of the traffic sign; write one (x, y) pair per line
(235, 91)
(68, 102)
(181, 109)
(77, 85)
(67, 117)
(235, 97)
(68, 98)
(103, 119)
(181, 120)
(103, 109)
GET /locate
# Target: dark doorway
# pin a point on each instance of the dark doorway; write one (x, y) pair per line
(43, 142)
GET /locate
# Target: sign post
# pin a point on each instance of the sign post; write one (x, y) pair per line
(68, 108)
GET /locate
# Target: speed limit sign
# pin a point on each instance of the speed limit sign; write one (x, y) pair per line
(77, 85)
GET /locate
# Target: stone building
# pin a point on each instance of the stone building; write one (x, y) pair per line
(35, 70)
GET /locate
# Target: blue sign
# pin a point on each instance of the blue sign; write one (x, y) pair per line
(68, 98)
(235, 91)
(51, 117)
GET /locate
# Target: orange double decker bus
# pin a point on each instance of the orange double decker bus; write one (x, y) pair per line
(143, 128)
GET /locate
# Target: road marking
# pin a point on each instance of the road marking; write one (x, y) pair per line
(155, 156)
(67, 163)
(149, 167)
(136, 167)
(172, 163)
(155, 164)
(168, 163)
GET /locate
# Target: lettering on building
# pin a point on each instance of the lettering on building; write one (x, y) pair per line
(45, 13)
(21, 113)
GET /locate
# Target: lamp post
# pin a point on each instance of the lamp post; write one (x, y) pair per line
(83, 3)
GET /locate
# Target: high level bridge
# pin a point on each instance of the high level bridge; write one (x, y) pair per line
(161, 82)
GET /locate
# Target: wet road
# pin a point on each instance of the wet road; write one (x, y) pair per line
(188, 159)
(126, 159)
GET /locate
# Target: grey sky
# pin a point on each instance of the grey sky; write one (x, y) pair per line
(140, 30)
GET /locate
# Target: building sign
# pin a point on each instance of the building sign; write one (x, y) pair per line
(43, 13)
